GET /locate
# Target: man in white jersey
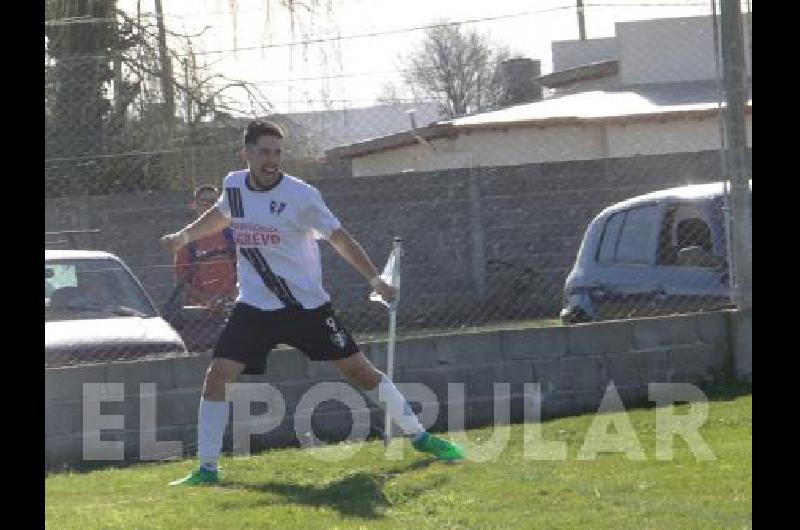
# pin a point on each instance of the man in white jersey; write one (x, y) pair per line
(276, 220)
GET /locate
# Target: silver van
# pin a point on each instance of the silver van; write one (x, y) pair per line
(660, 253)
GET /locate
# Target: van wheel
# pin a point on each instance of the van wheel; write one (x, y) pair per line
(576, 316)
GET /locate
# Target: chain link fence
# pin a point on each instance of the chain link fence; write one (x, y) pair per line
(603, 194)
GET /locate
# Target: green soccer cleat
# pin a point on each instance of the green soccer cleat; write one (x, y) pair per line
(199, 477)
(441, 449)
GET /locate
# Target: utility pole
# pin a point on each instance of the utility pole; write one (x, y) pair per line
(118, 115)
(190, 119)
(581, 22)
(733, 65)
(166, 71)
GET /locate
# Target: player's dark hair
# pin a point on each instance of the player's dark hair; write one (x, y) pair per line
(258, 128)
(205, 187)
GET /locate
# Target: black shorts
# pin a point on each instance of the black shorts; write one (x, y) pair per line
(251, 333)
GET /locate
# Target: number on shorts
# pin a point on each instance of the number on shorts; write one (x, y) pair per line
(331, 322)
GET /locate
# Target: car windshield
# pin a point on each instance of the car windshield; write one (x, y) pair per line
(78, 289)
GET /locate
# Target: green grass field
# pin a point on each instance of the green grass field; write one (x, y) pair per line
(290, 488)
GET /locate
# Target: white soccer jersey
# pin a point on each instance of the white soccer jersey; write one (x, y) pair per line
(276, 232)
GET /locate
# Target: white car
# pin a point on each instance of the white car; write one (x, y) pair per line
(96, 310)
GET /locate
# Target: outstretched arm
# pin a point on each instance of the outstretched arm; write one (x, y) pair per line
(211, 222)
(354, 253)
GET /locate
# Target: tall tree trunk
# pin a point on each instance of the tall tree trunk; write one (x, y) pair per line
(166, 72)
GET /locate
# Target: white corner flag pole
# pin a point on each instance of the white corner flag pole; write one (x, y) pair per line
(391, 275)
(397, 251)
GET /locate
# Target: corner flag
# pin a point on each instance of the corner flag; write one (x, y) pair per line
(390, 275)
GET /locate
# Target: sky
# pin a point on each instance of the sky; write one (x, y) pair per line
(351, 72)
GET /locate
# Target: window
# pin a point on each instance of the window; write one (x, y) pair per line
(92, 288)
(636, 238)
(57, 275)
(627, 237)
(694, 232)
(692, 235)
(608, 244)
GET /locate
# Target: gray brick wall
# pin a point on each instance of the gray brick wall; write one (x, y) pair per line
(532, 218)
(573, 365)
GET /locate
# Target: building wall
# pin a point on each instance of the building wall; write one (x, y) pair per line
(513, 146)
(670, 50)
(674, 136)
(571, 53)
(415, 157)
(530, 145)
(525, 145)
(603, 83)
(340, 127)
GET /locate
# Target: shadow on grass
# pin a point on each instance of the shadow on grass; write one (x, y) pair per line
(718, 391)
(727, 391)
(357, 495)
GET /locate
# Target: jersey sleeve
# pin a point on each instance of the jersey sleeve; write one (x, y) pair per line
(222, 201)
(317, 217)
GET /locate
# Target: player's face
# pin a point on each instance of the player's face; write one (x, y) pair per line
(264, 158)
(205, 201)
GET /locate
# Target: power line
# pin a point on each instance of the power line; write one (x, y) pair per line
(335, 76)
(93, 20)
(382, 33)
(134, 153)
(365, 35)
(224, 146)
(249, 11)
(659, 4)
(253, 11)
(98, 20)
(386, 32)
(300, 101)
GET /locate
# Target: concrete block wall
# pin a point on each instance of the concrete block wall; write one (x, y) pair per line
(516, 231)
(741, 330)
(573, 365)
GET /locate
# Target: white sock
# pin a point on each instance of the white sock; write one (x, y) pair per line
(212, 419)
(397, 405)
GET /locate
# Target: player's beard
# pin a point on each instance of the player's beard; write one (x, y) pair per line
(267, 177)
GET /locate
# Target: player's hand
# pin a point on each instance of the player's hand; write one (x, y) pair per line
(387, 292)
(173, 242)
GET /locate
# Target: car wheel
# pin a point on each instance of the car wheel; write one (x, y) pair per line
(575, 316)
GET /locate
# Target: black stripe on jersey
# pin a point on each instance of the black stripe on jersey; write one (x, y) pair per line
(231, 205)
(238, 194)
(235, 202)
(272, 281)
(280, 282)
(268, 279)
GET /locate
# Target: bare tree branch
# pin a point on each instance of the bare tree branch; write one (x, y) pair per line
(458, 68)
